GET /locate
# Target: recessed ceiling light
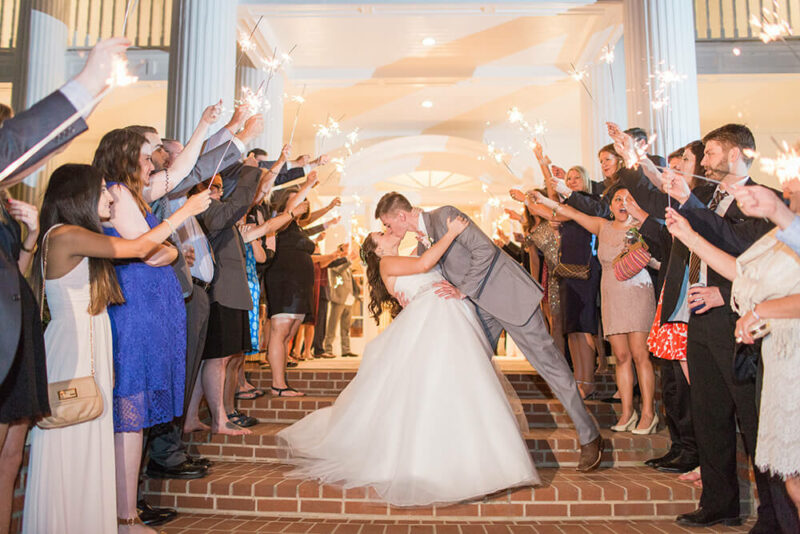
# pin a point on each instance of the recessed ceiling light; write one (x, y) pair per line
(427, 104)
(429, 41)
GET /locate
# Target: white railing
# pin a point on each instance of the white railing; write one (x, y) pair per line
(719, 20)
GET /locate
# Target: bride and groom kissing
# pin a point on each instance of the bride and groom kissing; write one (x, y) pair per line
(426, 419)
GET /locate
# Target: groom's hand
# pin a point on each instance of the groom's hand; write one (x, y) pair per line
(447, 290)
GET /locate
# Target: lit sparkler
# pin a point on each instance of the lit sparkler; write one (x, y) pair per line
(607, 55)
(245, 42)
(119, 77)
(785, 166)
(580, 76)
(300, 101)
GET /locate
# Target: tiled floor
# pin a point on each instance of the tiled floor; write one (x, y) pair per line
(205, 524)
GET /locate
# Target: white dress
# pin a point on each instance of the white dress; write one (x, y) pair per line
(426, 419)
(71, 480)
(768, 270)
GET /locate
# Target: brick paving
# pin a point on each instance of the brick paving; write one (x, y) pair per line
(217, 524)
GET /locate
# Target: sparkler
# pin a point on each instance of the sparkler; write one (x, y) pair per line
(772, 27)
(300, 101)
(786, 166)
(246, 42)
(580, 76)
(607, 57)
(119, 78)
(499, 157)
(127, 11)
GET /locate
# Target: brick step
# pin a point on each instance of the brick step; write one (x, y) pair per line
(332, 382)
(549, 447)
(266, 490)
(225, 524)
(541, 413)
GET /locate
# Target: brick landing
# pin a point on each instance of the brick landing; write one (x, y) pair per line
(215, 524)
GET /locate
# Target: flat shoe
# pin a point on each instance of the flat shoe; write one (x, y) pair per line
(250, 394)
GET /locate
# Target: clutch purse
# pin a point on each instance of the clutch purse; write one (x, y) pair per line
(745, 362)
(633, 259)
(572, 270)
(76, 400)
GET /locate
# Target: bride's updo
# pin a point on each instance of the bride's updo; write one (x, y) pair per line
(379, 296)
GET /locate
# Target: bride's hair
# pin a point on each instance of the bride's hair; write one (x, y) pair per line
(379, 296)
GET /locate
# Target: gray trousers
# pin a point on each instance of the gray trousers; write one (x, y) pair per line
(535, 342)
(338, 314)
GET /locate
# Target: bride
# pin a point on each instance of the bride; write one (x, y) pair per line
(425, 420)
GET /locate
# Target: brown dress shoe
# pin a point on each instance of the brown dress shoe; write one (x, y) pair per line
(591, 454)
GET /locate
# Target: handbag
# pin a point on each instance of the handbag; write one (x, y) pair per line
(76, 400)
(633, 259)
(745, 362)
(572, 270)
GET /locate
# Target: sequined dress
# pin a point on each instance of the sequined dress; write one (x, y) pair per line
(546, 239)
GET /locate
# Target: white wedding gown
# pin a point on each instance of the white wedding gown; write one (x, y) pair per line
(71, 486)
(425, 420)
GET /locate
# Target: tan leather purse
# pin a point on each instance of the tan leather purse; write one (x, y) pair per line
(76, 400)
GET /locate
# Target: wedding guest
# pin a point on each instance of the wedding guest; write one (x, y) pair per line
(640, 139)
(290, 284)
(766, 295)
(23, 348)
(610, 163)
(722, 404)
(80, 283)
(668, 336)
(579, 273)
(343, 293)
(149, 329)
(626, 331)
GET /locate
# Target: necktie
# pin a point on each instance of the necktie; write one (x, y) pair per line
(694, 259)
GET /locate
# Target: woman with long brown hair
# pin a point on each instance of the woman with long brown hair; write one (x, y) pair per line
(426, 419)
(150, 327)
(72, 267)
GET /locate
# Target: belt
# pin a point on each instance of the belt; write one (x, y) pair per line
(201, 283)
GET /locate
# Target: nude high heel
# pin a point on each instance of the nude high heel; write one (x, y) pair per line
(649, 430)
(626, 427)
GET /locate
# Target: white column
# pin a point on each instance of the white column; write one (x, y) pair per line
(41, 69)
(660, 36)
(273, 120)
(607, 103)
(202, 62)
(249, 76)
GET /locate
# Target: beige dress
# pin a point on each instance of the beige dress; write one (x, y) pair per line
(627, 306)
(769, 270)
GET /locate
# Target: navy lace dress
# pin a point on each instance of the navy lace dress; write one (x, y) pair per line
(149, 333)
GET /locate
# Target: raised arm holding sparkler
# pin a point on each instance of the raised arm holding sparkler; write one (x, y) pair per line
(163, 182)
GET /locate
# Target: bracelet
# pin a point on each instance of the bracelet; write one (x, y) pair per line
(755, 314)
(169, 223)
(28, 250)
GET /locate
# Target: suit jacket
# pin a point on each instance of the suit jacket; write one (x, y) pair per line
(204, 168)
(490, 278)
(734, 233)
(338, 292)
(594, 205)
(24, 130)
(229, 286)
(17, 135)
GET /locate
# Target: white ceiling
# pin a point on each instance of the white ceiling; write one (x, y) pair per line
(367, 63)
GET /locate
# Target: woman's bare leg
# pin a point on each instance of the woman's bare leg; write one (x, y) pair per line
(624, 374)
(637, 341)
(128, 456)
(12, 441)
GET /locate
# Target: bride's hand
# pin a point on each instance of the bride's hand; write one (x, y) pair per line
(457, 225)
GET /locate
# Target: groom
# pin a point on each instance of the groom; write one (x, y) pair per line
(505, 298)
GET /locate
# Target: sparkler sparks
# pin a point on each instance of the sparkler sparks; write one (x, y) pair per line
(607, 54)
(785, 166)
(771, 26)
(119, 73)
(246, 42)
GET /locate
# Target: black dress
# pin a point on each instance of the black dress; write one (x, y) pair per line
(290, 278)
(579, 297)
(23, 393)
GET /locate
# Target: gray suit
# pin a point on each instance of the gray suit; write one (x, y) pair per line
(507, 298)
(229, 286)
(340, 286)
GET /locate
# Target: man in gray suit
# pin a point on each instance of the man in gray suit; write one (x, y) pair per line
(505, 298)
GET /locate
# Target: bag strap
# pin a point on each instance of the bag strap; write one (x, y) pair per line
(43, 266)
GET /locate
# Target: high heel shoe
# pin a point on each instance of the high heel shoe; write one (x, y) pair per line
(649, 430)
(625, 427)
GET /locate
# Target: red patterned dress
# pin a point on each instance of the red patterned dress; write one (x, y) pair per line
(667, 341)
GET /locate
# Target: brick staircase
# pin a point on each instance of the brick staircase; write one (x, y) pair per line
(250, 490)
(248, 478)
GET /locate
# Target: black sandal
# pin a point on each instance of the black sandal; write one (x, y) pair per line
(281, 391)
